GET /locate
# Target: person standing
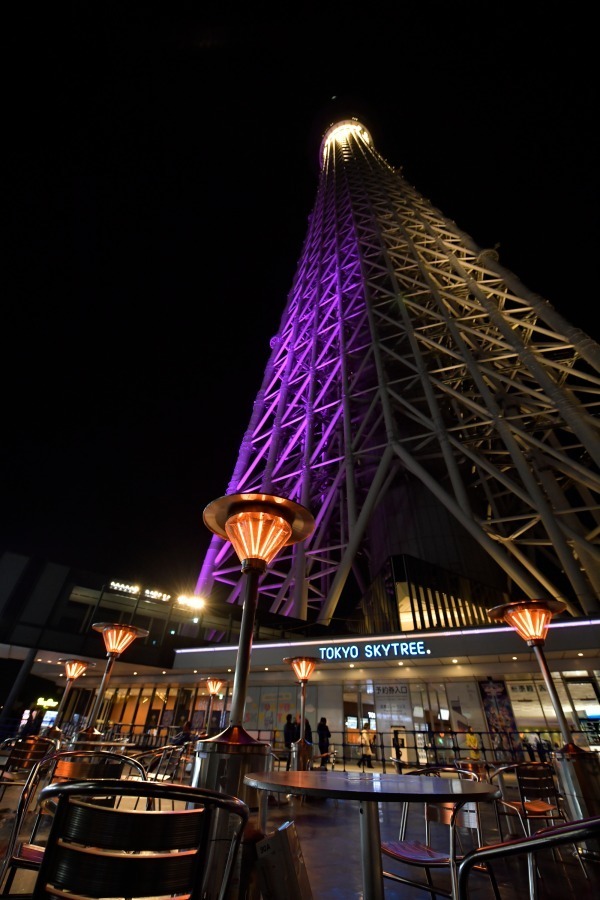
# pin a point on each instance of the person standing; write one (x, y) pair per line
(365, 743)
(186, 735)
(472, 742)
(307, 732)
(324, 738)
(528, 747)
(289, 736)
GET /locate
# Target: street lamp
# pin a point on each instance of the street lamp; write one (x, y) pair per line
(73, 669)
(117, 638)
(578, 770)
(214, 689)
(303, 667)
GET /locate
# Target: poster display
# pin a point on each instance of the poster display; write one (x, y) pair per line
(500, 717)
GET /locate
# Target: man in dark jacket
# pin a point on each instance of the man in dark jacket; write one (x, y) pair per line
(324, 736)
(289, 736)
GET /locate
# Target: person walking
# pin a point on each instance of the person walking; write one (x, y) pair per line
(365, 743)
(289, 736)
(324, 737)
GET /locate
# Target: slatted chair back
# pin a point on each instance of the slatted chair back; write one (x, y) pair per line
(538, 795)
(537, 787)
(134, 850)
(24, 848)
(163, 763)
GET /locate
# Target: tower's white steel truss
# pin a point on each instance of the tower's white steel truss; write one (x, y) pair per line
(407, 352)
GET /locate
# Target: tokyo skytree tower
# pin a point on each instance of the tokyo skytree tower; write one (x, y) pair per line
(419, 401)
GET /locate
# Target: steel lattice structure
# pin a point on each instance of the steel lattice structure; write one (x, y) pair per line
(407, 354)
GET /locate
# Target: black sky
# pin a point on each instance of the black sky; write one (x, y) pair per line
(161, 198)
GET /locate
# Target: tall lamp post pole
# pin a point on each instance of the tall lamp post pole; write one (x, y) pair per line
(303, 667)
(578, 770)
(117, 639)
(531, 620)
(258, 527)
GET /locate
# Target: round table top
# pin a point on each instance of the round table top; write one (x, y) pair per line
(371, 786)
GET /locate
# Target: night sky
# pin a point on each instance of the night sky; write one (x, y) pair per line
(161, 196)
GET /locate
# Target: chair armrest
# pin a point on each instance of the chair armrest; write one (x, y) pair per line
(573, 832)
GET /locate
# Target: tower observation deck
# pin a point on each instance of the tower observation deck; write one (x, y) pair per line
(420, 401)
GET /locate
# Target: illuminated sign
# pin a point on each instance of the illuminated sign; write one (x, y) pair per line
(47, 704)
(382, 650)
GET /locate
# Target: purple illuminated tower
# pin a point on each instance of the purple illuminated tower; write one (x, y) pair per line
(438, 419)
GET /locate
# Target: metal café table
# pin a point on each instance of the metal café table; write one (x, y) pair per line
(369, 789)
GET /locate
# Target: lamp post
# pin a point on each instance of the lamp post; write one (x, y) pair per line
(303, 667)
(117, 638)
(214, 689)
(258, 526)
(577, 769)
(73, 669)
(531, 620)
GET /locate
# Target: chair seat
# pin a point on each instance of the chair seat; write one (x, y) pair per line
(531, 807)
(415, 853)
(29, 853)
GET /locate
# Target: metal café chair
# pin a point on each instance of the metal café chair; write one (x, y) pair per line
(25, 844)
(544, 839)
(165, 764)
(539, 801)
(20, 756)
(441, 850)
(131, 850)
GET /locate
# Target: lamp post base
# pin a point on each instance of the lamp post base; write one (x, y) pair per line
(222, 761)
(301, 758)
(578, 774)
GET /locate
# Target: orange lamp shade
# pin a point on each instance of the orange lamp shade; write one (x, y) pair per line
(257, 534)
(303, 666)
(214, 686)
(529, 618)
(117, 637)
(74, 667)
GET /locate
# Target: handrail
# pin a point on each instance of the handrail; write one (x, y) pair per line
(572, 832)
(406, 747)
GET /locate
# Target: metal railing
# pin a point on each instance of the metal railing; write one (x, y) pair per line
(391, 750)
